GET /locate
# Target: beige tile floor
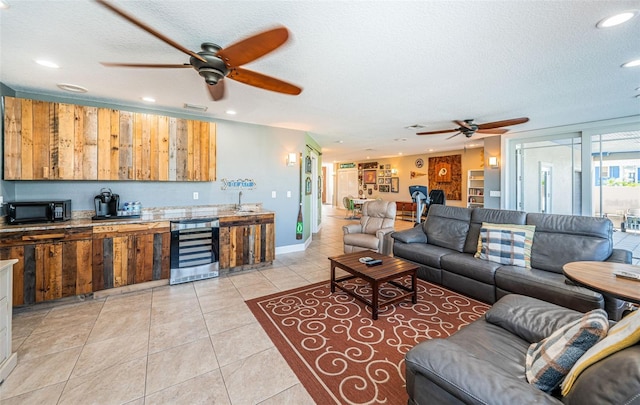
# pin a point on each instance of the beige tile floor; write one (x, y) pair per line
(194, 343)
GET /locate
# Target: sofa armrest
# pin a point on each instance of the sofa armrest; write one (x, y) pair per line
(529, 318)
(468, 378)
(620, 256)
(413, 235)
(385, 246)
(351, 228)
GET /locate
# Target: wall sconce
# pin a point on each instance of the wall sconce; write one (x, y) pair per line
(292, 159)
(493, 161)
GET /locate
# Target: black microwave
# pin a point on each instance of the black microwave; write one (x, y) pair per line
(28, 212)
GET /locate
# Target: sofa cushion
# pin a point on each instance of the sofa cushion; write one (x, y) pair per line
(560, 239)
(361, 240)
(447, 226)
(422, 253)
(547, 286)
(494, 216)
(622, 335)
(413, 235)
(506, 244)
(468, 266)
(549, 360)
(529, 318)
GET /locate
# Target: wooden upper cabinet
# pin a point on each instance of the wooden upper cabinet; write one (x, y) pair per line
(58, 141)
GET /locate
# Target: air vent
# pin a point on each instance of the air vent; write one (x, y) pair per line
(196, 107)
(414, 127)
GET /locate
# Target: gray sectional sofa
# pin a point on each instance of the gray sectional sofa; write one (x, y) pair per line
(484, 362)
(444, 246)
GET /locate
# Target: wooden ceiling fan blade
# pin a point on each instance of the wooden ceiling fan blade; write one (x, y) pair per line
(505, 123)
(463, 124)
(456, 134)
(252, 48)
(444, 131)
(263, 81)
(493, 131)
(150, 30)
(216, 91)
(145, 65)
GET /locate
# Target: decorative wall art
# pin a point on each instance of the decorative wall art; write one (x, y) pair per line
(380, 180)
(384, 188)
(445, 173)
(307, 164)
(370, 176)
(395, 184)
(307, 185)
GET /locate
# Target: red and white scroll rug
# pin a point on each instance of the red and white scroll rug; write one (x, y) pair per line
(340, 354)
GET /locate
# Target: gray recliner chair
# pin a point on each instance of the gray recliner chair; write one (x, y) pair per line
(374, 230)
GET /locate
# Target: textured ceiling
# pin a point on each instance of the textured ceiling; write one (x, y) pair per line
(368, 68)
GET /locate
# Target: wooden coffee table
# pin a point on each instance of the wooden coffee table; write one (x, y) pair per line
(599, 276)
(391, 269)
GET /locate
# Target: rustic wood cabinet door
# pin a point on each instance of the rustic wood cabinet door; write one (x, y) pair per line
(246, 241)
(59, 141)
(130, 254)
(50, 270)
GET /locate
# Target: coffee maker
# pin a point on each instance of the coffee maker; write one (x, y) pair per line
(106, 203)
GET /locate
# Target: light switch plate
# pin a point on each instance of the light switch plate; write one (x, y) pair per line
(494, 193)
(273, 194)
(195, 195)
(288, 194)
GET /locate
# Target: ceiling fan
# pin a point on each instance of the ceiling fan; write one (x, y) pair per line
(468, 127)
(215, 63)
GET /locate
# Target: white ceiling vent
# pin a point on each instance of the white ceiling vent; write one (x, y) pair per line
(414, 127)
(196, 107)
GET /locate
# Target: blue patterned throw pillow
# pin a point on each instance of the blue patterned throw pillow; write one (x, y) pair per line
(549, 360)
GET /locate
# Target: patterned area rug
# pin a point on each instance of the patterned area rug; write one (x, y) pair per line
(343, 356)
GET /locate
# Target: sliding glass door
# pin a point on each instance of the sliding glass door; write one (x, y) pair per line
(548, 175)
(615, 160)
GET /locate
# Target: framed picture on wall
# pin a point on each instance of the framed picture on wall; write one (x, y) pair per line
(370, 176)
(380, 180)
(307, 164)
(387, 180)
(307, 185)
(395, 184)
(384, 188)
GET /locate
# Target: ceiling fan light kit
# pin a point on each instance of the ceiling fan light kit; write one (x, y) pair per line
(214, 63)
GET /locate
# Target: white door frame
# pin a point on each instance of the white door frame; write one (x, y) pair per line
(315, 193)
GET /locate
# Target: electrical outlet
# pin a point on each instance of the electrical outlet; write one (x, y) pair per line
(195, 195)
(273, 194)
(288, 193)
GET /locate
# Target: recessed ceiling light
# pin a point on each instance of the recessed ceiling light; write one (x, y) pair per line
(72, 88)
(400, 139)
(47, 63)
(430, 150)
(400, 153)
(4, 4)
(616, 19)
(149, 99)
(414, 127)
(231, 112)
(631, 63)
(341, 141)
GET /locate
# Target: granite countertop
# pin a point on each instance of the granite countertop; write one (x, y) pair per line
(83, 218)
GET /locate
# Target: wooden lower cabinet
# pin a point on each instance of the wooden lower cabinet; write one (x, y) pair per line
(51, 264)
(246, 241)
(74, 261)
(130, 254)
